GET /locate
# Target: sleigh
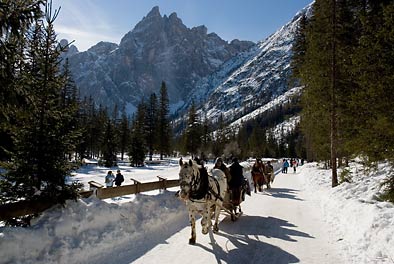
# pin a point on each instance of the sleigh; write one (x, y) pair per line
(232, 206)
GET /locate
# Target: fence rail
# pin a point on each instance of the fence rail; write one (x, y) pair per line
(22, 208)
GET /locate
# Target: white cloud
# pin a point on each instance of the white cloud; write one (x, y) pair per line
(83, 39)
(85, 23)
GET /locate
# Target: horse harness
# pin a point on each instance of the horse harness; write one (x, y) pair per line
(198, 191)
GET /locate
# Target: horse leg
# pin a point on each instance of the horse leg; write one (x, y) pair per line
(255, 185)
(206, 220)
(192, 239)
(217, 212)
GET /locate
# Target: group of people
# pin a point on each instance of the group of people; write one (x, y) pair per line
(110, 179)
(292, 163)
(235, 178)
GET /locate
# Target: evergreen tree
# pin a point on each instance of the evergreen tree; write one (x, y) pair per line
(257, 141)
(374, 66)
(41, 131)
(98, 127)
(151, 124)
(124, 133)
(115, 123)
(194, 131)
(70, 105)
(242, 139)
(327, 88)
(109, 145)
(138, 147)
(206, 139)
(299, 49)
(164, 130)
(16, 20)
(83, 122)
(220, 137)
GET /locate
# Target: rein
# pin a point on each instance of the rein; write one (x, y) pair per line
(217, 196)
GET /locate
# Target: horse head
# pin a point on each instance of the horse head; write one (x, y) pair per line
(188, 177)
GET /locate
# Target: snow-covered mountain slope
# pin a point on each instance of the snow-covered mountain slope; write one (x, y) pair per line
(250, 80)
(268, 106)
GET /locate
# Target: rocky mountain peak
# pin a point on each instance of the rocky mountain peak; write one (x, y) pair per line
(159, 48)
(155, 12)
(173, 16)
(103, 48)
(201, 30)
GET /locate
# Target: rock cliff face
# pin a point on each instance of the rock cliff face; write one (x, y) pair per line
(159, 48)
(250, 79)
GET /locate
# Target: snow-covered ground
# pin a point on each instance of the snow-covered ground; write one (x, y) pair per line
(300, 220)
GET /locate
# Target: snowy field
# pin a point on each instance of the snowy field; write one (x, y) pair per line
(300, 220)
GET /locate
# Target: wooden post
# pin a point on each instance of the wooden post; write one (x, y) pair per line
(163, 181)
(138, 183)
(93, 185)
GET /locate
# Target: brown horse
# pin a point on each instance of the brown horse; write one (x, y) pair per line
(258, 176)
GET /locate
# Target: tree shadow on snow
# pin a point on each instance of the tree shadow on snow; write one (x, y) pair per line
(245, 246)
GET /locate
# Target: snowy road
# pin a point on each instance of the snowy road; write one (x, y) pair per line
(281, 225)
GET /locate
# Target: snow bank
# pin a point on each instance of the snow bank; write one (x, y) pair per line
(364, 226)
(89, 229)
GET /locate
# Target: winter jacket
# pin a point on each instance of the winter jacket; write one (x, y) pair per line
(109, 180)
(223, 168)
(237, 177)
(119, 179)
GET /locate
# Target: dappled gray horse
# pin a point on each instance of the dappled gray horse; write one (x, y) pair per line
(202, 194)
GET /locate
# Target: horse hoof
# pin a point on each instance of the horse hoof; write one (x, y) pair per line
(192, 241)
(215, 229)
(204, 231)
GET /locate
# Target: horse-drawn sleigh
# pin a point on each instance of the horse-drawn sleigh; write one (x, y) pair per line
(262, 174)
(206, 195)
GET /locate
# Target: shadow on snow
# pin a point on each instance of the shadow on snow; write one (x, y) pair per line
(285, 193)
(244, 244)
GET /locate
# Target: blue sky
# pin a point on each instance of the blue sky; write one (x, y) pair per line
(90, 21)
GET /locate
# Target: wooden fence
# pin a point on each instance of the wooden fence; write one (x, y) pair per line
(22, 208)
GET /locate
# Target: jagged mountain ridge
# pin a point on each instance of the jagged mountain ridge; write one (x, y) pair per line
(159, 48)
(251, 79)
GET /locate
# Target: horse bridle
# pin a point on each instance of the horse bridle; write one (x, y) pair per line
(192, 184)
